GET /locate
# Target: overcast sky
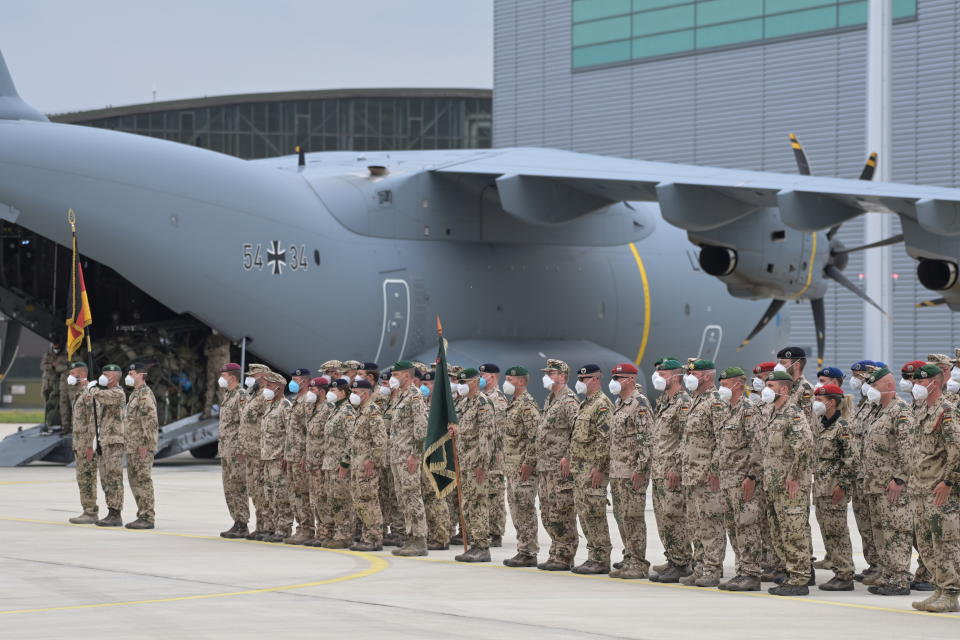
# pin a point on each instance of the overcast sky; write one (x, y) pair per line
(69, 55)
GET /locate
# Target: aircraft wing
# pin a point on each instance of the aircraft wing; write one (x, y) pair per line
(550, 186)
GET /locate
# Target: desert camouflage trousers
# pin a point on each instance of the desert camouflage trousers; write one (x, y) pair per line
(558, 515)
(789, 521)
(835, 532)
(111, 474)
(253, 477)
(409, 491)
(893, 535)
(476, 509)
(743, 518)
(235, 488)
(669, 509)
(707, 530)
(140, 477)
(365, 493)
(522, 498)
(86, 471)
(298, 485)
(629, 506)
(941, 533)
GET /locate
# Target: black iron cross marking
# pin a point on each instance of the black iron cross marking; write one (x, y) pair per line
(276, 257)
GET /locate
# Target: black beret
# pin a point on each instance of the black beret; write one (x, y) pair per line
(361, 384)
(587, 369)
(139, 366)
(489, 368)
(791, 353)
(339, 383)
(429, 375)
(385, 374)
(300, 372)
(369, 366)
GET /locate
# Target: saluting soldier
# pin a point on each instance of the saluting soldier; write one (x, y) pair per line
(474, 434)
(490, 386)
(231, 469)
(272, 433)
(248, 451)
(631, 441)
(364, 458)
(521, 420)
(142, 433)
(84, 445)
(109, 404)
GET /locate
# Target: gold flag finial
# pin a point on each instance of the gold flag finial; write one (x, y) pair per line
(72, 219)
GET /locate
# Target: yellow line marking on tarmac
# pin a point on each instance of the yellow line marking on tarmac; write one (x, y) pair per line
(755, 594)
(376, 565)
(646, 304)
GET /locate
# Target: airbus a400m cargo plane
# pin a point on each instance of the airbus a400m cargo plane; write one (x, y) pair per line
(523, 253)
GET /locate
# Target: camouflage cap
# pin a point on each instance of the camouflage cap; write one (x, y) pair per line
(876, 374)
(699, 364)
(939, 358)
(274, 378)
(352, 364)
(517, 371)
(468, 374)
(779, 376)
(257, 368)
(331, 364)
(669, 364)
(927, 371)
(732, 372)
(556, 365)
(454, 369)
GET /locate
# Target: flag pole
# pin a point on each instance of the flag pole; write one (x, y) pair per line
(456, 468)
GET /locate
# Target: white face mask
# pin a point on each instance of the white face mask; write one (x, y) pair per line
(755, 399)
(103, 380)
(919, 392)
(72, 380)
(222, 382)
(615, 387)
(768, 395)
(394, 383)
(725, 394)
(547, 382)
(463, 389)
(358, 377)
(331, 396)
(757, 384)
(659, 382)
(268, 394)
(385, 391)
(249, 381)
(953, 386)
(508, 388)
(819, 408)
(865, 390)
(690, 382)
(780, 367)
(856, 383)
(955, 374)
(310, 397)
(817, 386)
(873, 395)
(905, 385)
(355, 400)
(129, 381)
(580, 387)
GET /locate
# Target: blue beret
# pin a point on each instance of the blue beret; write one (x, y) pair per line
(830, 372)
(588, 369)
(861, 365)
(880, 365)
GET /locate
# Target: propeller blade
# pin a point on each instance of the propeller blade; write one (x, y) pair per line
(802, 165)
(870, 167)
(819, 323)
(836, 275)
(772, 310)
(936, 302)
(873, 245)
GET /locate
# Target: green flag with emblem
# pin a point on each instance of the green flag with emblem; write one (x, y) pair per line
(438, 457)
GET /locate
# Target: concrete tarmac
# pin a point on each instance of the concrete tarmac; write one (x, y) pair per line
(183, 580)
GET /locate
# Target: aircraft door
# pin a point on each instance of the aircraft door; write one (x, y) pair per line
(396, 321)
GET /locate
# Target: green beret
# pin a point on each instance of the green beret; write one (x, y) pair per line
(110, 367)
(668, 364)
(779, 375)
(468, 373)
(78, 363)
(926, 371)
(700, 365)
(732, 372)
(402, 365)
(517, 371)
(879, 373)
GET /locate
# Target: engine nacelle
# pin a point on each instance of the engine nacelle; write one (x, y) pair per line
(937, 275)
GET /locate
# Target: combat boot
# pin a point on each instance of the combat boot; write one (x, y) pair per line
(630, 572)
(392, 540)
(366, 546)
(772, 575)
(140, 523)
(707, 580)
(229, 533)
(889, 590)
(521, 560)
(253, 534)
(823, 564)
(660, 568)
(671, 574)
(836, 584)
(592, 567)
(113, 519)
(868, 577)
(299, 537)
(554, 564)
(789, 590)
(414, 547)
(437, 546)
(475, 554)
(241, 531)
(921, 605)
(946, 603)
(87, 517)
(275, 538)
(691, 579)
(457, 539)
(336, 544)
(618, 565)
(743, 583)
(496, 541)
(922, 585)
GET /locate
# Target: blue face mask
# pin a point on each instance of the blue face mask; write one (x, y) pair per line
(293, 386)
(483, 383)
(425, 390)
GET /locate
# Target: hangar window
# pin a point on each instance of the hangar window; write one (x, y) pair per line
(609, 32)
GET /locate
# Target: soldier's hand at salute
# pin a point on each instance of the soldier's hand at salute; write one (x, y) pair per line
(792, 488)
(749, 488)
(941, 493)
(525, 472)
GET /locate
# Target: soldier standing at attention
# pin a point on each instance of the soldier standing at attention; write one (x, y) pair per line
(365, 457)
(272, 432)
(886, 460)
(557, 510)
(84, 445)
(787, 462)
(336, 439)
(109, 403)
(946, 365)
(739, 470)
(701, 473)
(768, 560)
(316, 411)
(234, 485)
(793, 360)
(590, 465)
(922, 578)
(142, 432)
(834, 474)
(248, 452)
(669, 504)
(407, 429)
(519, 463)
(490, 386)
(631, 438)
(216, 352)
(474, 434)
(937, 471)
(294, 457)
(862, 416)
